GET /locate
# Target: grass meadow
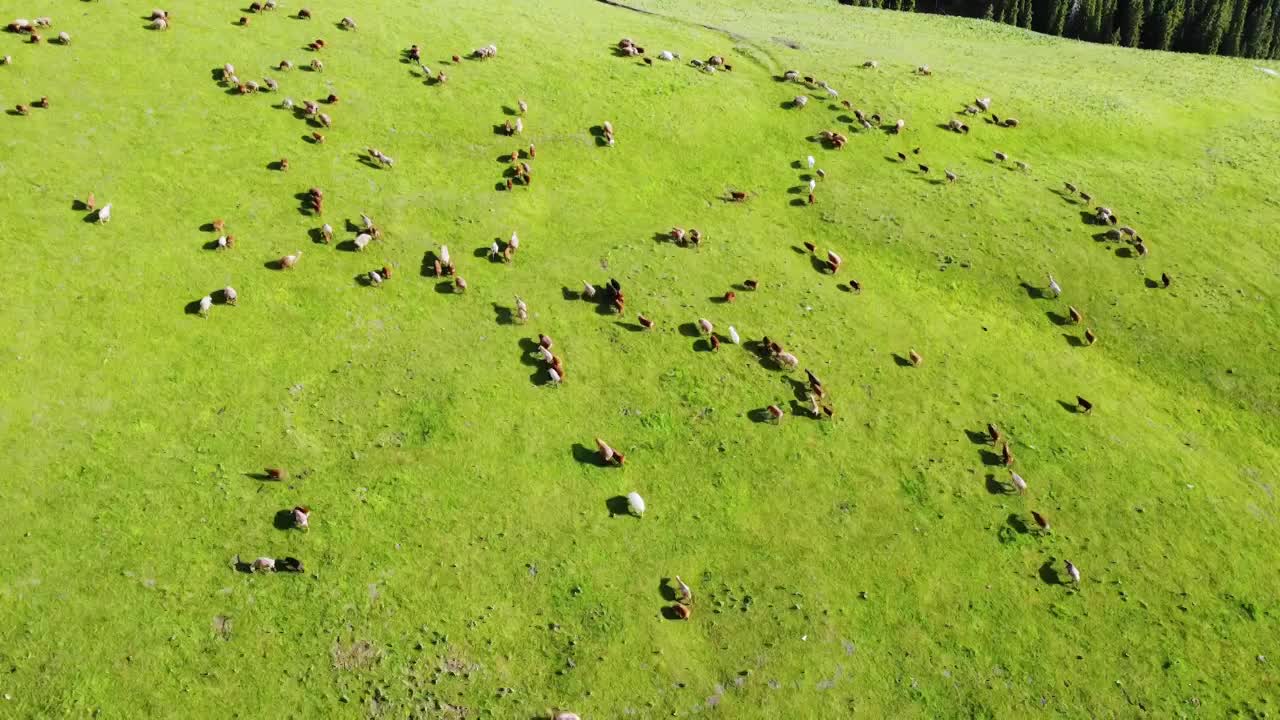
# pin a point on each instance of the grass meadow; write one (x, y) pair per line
(464, 560)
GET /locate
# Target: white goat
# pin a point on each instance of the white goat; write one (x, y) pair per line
(635, 503)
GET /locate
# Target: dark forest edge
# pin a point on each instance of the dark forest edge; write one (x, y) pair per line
(1243, 28)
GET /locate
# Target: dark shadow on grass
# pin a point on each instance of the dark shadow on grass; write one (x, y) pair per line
(317, 236)
(669, 613)
(1125, 252)
(799, 389)
(1032, 291)
(995, 487)
(1057, 319)
(630, 327)
(80, 206)
(666, 590)
(260, 476)
(211, 245)
(346, 246)
(819, 266)
(243, 567)
(1048, 575)
(91, 218)
(901, 361)
(192, 308)
(702, 345)
(991, 459)
(978, 437)
(444, 288)
(1070, 407)
(273, 265)
(798, 202)
(617, 505)
(1151, 284)
(283, 520)
(1073, 341)
(690, 330)
(208, 227)
(1018, 524)
(759, 415)
(503, 315)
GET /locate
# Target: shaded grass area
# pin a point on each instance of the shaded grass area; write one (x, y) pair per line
(464, 542)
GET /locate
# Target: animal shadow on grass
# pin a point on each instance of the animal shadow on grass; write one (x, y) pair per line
(690, 330)
(759, 415)
(275, 165)
(1033, 292)
(90, 218)
(527, 348)
(508, 110)
(1019, 525)
(503, 315)
(1048, 575)
(304, 206)
(797, 189)
(1151, 284)
(796, 164)
(242, 566)
(820, 266)
(1087, 218)
(718, 300)
(978, 437)
(799, 389)
(316, 236)
(702, 345)
(208, 227)
(260, 476)
(211, 245)
(445, 287)
(617, 505)
(661, 237)
(192, 308)
(1057, 319)
(283, 520)
(346, 246)
(597, 131)
(666, 591)
(1102, 236)
(568, 294)
(800, 410)
(368, 161)
(1070, 407)
(901, 361)
(216, 75)
(799, 250)
(273, 265)
(995, 487)
(1066, 196)
(798, 202)
(669, 613)
(80, 206)
(630, 327)
(1124, 252)
(1073, 341)
(311, 140)
(991, 459)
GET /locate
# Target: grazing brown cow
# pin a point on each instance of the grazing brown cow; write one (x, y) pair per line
(730, 296)
(1084, 405)
(737, 195)
(544, 341)
(1076, 315)
(916, 358)
(775, 413)
(276, 473)
(993, 432)
(1089, 336)
(645, 322)
(715, 342)
(1006, 455)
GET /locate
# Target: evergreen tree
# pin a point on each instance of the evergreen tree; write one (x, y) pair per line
(1233, 43)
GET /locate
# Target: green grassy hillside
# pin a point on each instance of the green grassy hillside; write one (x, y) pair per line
(463, 560)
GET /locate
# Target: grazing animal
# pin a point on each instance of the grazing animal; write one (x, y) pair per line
(159, 23)
(715, 342)
(284, 164)
(276, 473)
(730, 296)
(64, 38)
(800, 101)
(924, 70)
(834, 261)
(810, 247)
(326, 233)
(317, 138)
(6, 60)
(811, 162)
(951, 177)
(923, 168)
(1084, 405)
(226, 242)
(645, 322)
(733, 335)
(1001, 156)
(1054, 287)
(750, 284)
(788, 360)
(1011, 122)
(544, 341)
(737, 195)
(775, 413)
(1073, 572)
(302, 517)
(983, 103)
(522, 310)
(244, 21)
(705, 325)
(263, 564)
(993, 432)
(871, 64)
(1089, 336)
(855, 286)
(635, 503)
(686, 595)
(1070, 188)
(1086, 196)
(459, 284)
(229, 295)
(206, 303)
(1165, 280)
(1141, 247)
(916, 358)
(21, 109)
(556, 377)
(362, 241)
(104, 214)
(813, 185)
(1023, 166)
(1006, 455)
(902, 157)
(348, 24)
(1018, 483)
(566, 716)
(812, 199)
(1076, 315)
(695, 236)
(607, 454)
(899, 126)
(1041, 521)
(90, 202)
(288, 261)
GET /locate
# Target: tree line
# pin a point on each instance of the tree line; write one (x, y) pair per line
(1245, 28)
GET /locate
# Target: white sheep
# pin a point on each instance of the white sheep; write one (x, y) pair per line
(224, 242)
(348, 24)
(206, 304)
(1054, 287)
(588, 290)
(6, 60)
(733, 335)
(444, 255)
(288, 261)
(494, 251)
(519, 126)
(302, 518)
(64, 38)
(375, 278)
(159, 23)
(812, 162)
(326, 232)
(1018, 483)
(230, 295)
(635, 504)
(228, 71)
(705, 325)
(566, 716)
(368, 221)
(362, 241)
(800, 101)
(667, 55)
(1074, 572)
(104, 214)
(522, 310)
(287, 103)
(813, 184)
(523, 106)
(788, 360)
(263, 564)
(555, 376)
(271, 84)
